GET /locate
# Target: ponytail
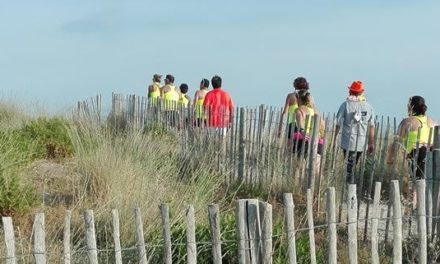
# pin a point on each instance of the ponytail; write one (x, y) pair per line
(417, 105)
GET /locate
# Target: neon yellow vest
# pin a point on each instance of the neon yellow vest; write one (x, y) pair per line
(424, 134)
(153, 96)
(171, 98)
(311, 114)
(183, 101)
(199, 108)
(291, 116)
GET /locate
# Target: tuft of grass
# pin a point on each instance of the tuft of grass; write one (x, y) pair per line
(15, 193)
(136, 169)
(12, 116)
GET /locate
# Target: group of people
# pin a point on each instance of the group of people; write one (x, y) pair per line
(355, 119)
(212, 109)
(355, 122)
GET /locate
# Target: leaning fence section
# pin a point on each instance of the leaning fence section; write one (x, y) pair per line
(258, 238)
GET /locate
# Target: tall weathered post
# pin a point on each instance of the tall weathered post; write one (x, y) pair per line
(242, 146)
(436, 179)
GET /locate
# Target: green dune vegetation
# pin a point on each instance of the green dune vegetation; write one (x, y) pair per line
(53, 163)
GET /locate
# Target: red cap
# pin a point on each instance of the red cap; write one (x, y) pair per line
(357, 87)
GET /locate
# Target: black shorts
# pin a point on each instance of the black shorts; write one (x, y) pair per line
(352, 154)
(419, 164)
(200, 122)
(297, 147)
(171, 117)
(290, 130)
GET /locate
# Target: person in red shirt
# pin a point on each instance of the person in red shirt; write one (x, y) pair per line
(218, 104)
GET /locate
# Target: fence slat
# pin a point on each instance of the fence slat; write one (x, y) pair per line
(331, 222)
(266, 232)
(39, 239)
(214, 224)
(66, 237)
(253, 223)
(191, 247)
(242, 146)
(375, 224)
(313, 153)
(289, 223)
(241, 230)
(166, 232)
(436, 181)
(311, 226)
(428, 192)
(397, 223)
(8, 229)
(92, 250)
(140, 241)
(116, 236)
(421, 222)
(352, 223)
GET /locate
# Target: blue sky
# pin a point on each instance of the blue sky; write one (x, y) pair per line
(58, 52)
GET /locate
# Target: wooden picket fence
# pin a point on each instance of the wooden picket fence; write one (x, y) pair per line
(253, 229)
(255, 152)
(254, 149)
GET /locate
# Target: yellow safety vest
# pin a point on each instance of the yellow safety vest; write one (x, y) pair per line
(291, 116)
(413, 135)
(311, 114)
(171, 98)
(183, 101)
(199, 108)
(154, 96)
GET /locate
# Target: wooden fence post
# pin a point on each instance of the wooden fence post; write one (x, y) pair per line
(214, 223)
(39, 239)
(352, 223)
(116, 236)
(266, 232)
(66, 237)
(436, 180)
(428, 192)
(166, 232)
(421, 222)
(289, 223)
(397, 223)
(242, 146)
(92, 250)
(191, 246)
(311, 226)
(313, 154)
(331, 222)
(140, 241)
(241, 230)
(8, 229)
(253, 225)
(375, 224)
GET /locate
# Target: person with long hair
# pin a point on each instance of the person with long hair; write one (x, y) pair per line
(304, 118)
(290, 106)
(408, 135)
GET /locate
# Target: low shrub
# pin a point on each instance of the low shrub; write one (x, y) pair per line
(49, 137)
(15, 194)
